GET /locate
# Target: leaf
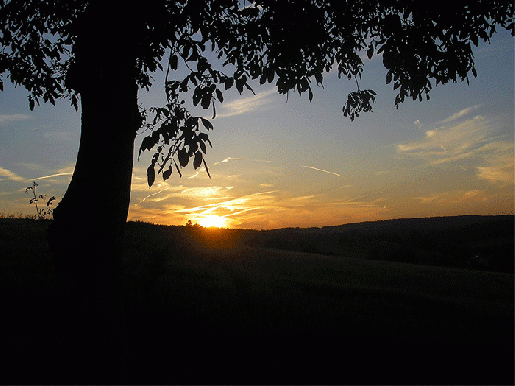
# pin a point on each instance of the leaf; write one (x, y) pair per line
(228, 83)
(202, 65)
(148, 143)
(183, 157)
(319, 78)
(370, 51)
(389, 76)
(271, 75)
(185, 51)
(167, 173)
(206, 101)
(193, 57)
(197, 160)
(206, 123)
(184, 85)
(219, 95)
(239, 84)
(151, 175)
(32, 104)
(207, 169)
(196, 96)
(174, 62)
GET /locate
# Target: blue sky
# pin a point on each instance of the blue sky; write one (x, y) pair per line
(278, 163)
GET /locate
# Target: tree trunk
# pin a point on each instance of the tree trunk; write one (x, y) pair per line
(88, 224)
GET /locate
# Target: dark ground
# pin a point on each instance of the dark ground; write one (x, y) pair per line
(205, 307)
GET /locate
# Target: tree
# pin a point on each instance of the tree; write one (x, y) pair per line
(101, 53)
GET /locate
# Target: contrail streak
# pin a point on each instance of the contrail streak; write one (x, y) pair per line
(241, 159)
(53, 175)
(153, 194)
(320, 170)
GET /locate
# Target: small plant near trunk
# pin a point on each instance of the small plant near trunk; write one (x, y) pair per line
(36, 199)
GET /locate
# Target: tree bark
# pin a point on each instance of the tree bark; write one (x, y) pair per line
(89, 222)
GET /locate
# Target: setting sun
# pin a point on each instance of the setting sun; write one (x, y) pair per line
(212, 221)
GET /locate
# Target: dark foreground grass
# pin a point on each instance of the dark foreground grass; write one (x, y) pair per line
(244, 315)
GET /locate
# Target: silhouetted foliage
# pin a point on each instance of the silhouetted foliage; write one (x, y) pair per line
(41, 213)
(290, 43)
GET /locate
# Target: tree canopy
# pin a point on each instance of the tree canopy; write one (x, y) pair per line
(290, 43)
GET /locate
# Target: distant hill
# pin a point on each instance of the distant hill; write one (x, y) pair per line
(475, 242)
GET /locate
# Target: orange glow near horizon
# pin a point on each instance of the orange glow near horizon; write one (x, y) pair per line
(212, 221)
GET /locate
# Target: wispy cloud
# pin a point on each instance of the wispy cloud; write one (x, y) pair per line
(418, 123)
(179, 193)
(495, 174)
(31, 166)
(8, 118)
(247, 104)
(446, 144)
(60, 136)
(153, 194)
(498, 163)
(10, 175)
(470, 141)
(453, 197)
(278, 208)
(302, 199)
(167, 214)
(207, 192)
(320, 170)
(461, 113)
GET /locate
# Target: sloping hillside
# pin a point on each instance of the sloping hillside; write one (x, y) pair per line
(202, 307)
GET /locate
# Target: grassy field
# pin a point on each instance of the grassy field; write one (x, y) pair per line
(201, 306)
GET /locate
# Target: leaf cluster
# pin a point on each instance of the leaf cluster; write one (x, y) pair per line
(225, 44)
(293, 43)
(178, 138)
(420, 43)
(35, 46)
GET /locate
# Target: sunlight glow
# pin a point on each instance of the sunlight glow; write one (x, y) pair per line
(212, 221)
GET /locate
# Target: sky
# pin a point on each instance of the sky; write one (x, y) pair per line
(286, 162)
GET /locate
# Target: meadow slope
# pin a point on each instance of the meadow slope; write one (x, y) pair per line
(215, 310)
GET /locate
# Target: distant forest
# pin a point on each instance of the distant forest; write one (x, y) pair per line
(472, 242)
(476, 242)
